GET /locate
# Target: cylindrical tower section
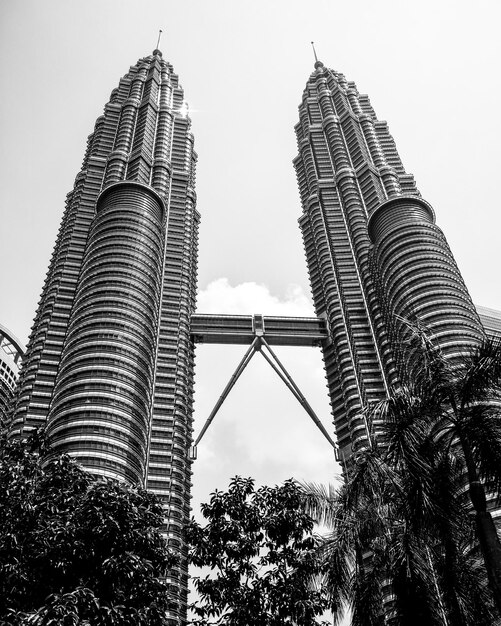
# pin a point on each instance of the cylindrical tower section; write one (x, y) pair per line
(102, 398)
(419, 275)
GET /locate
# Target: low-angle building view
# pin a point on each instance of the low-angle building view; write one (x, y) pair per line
(102, 436)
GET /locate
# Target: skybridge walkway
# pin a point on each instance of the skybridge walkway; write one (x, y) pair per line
(242, 330)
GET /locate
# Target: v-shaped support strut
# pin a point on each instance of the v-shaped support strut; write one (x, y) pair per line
(235, 376)
(270, 357)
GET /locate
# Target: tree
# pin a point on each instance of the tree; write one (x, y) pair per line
(261, 552)
(464, 399)
(433, 509)
(394, 555)
(74, 549)
(404, 499)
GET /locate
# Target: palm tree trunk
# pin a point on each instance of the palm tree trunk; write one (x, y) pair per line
(486, 529)
(445, 621)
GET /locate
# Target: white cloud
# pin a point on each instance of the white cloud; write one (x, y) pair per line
(249, 298)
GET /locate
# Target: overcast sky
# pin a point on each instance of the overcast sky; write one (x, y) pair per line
(431, 69)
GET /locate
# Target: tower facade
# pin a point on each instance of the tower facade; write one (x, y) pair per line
(109, 364)
(375, 255)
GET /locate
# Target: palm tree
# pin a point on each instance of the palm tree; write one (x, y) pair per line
(379, 547)
(432, 503)
(404, 499)
(463, 399)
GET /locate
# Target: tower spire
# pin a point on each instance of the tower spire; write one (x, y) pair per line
(317, 62)
(314, 51)
(157, 51)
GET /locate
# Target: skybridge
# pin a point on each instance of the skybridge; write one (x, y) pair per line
(242, 329)
(260, 332)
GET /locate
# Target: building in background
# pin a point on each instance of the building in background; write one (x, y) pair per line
(491, 321)
(375, 255)
(11, 355)
(109, 363)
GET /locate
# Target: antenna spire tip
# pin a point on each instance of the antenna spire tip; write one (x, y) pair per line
(157, 51)
(317, 62)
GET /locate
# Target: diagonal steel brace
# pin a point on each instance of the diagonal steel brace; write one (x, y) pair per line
(235, 376)
(279, 368)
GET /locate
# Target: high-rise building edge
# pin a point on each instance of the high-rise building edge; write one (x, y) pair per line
(109, 367)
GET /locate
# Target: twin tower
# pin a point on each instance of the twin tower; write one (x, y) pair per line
(109, 365)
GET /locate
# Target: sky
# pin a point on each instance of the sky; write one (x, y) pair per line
(431, 69)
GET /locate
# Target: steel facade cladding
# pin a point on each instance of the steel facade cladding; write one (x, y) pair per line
(109, 364)
(373, 250)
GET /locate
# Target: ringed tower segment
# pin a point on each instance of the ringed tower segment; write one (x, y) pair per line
(375, 255)
(109, 364)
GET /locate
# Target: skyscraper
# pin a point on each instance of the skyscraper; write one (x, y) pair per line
(109, 363)
(375, 255)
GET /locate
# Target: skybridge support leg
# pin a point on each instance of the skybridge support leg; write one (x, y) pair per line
(258, 343)
(288, 380)
(235, 376)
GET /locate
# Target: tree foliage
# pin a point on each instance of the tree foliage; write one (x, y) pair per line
(390, 540)
(76, 550)
(403, 525)
(260, 548)
(462, 393)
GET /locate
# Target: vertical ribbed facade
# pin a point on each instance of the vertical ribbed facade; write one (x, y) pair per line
(373, 250)
(101, 405)
(109, 364)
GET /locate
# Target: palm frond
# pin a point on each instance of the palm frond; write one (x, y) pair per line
(482, 428)
(369, 478)
(462, 580)
(336, 577)
(427, 368)
(367, 602)
(410, 447)
(479, 372)
(452, 518)
(320, 502)
(417, 595)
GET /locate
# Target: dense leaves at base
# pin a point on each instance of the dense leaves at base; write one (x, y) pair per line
(412, 539)
(75, 550)
(398, 556)
(261, 551)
